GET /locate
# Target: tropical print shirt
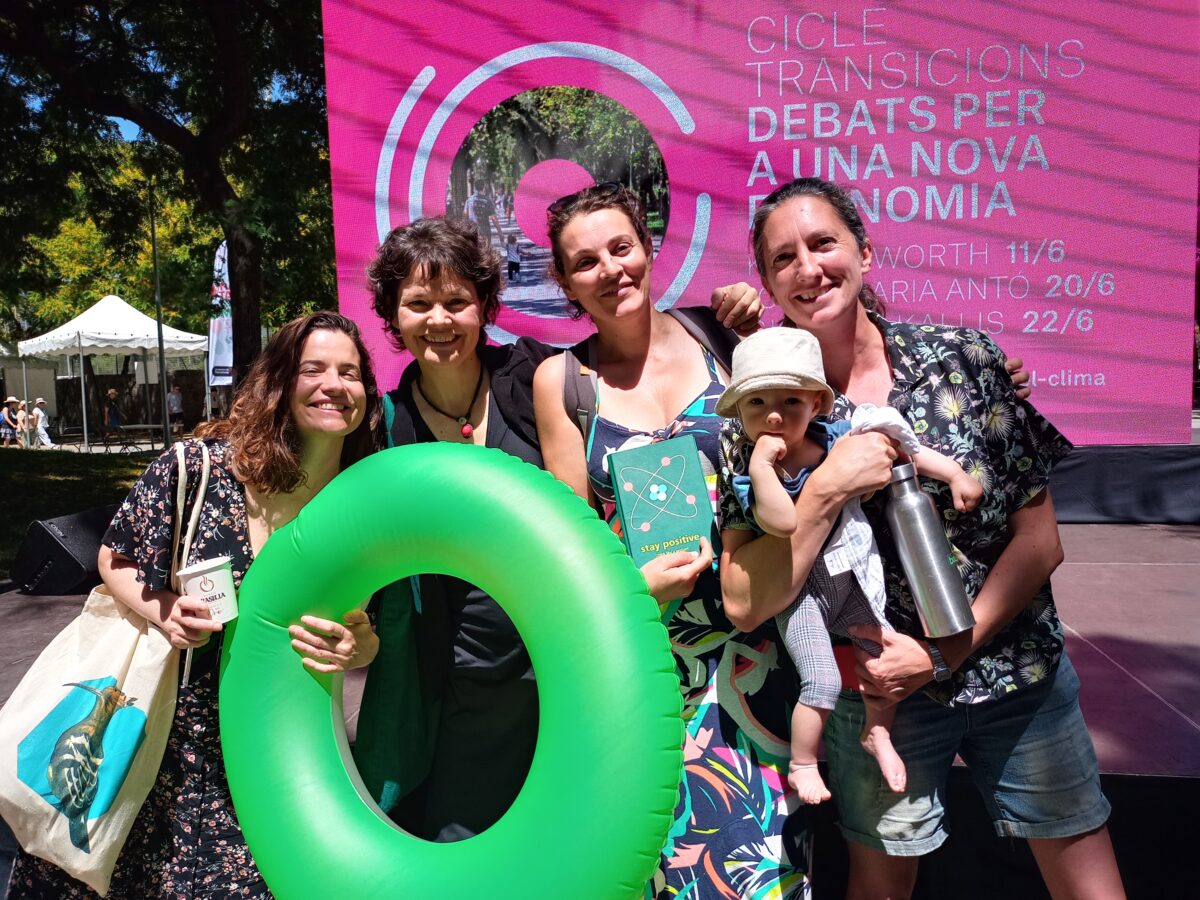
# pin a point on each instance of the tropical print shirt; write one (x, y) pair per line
(951, 386)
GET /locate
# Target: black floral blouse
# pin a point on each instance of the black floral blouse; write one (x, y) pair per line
(143, 528)
(951, 386)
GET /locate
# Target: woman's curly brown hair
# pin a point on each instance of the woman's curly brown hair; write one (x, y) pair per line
(434, 245)
(265, 447)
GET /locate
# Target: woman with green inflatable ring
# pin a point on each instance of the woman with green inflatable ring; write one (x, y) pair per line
(585, 830)
(449, 718)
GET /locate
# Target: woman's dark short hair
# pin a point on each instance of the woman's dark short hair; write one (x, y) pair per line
(434, 244)
(265, 446)
(608, 195)
(832, 194)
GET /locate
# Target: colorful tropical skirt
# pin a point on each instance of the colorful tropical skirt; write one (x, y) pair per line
(738, 831)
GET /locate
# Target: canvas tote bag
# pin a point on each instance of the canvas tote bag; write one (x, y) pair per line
(82, 736)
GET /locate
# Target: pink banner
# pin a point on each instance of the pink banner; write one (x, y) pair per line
(1022, 169)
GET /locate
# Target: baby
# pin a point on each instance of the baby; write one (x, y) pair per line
(778, 390)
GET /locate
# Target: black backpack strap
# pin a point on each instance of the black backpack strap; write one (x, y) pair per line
(399, 409)
(579, 385)
(701, 323)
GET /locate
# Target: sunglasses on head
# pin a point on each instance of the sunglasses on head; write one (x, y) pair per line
(600, 191)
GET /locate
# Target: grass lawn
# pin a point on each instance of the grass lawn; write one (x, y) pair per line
(43, 484)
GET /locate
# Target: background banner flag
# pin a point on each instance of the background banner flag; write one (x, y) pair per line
(220, 325)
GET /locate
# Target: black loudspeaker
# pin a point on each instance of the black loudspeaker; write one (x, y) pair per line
(58, 556)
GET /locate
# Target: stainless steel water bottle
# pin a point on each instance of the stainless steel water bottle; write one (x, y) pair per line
(926, 555)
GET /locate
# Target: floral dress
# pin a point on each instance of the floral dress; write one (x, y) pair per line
(732, 835)
(185, 841)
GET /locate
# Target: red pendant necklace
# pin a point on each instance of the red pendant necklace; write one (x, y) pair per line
(466, 429)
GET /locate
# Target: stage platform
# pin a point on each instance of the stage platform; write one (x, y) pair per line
(1129, 596)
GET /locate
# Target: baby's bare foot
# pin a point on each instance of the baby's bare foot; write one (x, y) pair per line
(807, 782)
(878, 743)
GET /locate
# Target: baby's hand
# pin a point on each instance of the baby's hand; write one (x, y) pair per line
(768, 450)
(967, 492)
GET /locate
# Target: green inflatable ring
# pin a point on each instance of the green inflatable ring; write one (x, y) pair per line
(595, 809)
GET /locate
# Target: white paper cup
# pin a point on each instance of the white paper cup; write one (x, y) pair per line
(211, 580)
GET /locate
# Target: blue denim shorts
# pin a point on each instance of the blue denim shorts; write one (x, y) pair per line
(1029, 755)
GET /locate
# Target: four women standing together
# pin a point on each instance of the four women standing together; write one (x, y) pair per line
(436, 287)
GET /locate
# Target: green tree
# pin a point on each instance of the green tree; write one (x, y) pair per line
(85, 259)
(559, 122)
(229, 93)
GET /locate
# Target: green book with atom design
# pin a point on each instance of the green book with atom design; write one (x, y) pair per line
(662, 497)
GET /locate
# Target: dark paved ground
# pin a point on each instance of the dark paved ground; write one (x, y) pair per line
(1129, 597)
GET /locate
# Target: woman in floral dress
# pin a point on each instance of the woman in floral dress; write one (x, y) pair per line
(306, 409)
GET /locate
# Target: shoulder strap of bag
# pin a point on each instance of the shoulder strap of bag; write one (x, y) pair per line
(579, 384)
(579, 372)
(180, 551)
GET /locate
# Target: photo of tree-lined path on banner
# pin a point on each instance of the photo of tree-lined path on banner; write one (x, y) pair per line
(530, 150)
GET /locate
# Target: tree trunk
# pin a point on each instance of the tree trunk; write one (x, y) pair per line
(245, 289)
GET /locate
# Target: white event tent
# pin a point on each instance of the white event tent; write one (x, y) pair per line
(110, 326)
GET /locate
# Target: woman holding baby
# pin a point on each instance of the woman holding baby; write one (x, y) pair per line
(1003, 695)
